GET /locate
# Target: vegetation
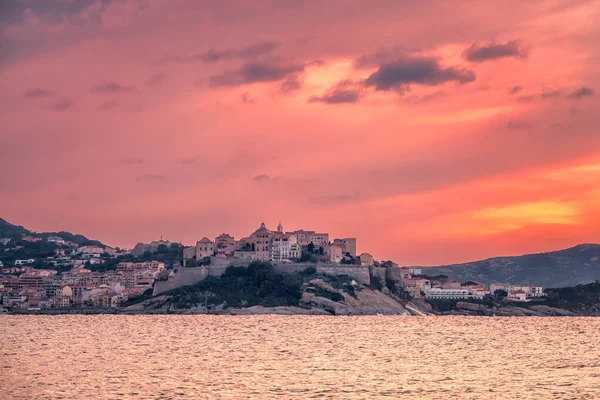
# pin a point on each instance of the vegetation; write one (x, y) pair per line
(258, 284)
(500, 293)
(577, 298)
(309, 270)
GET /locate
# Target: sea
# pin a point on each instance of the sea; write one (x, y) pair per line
(298, 357)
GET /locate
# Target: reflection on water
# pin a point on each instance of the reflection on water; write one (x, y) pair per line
(220, 357)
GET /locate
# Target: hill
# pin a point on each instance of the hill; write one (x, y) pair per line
(8, 230)
(569, 267)
(16, 232)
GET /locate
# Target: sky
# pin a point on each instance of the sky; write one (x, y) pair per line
(434, 132)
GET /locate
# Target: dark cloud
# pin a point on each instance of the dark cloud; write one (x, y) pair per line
(515, 89)
(551, 94)
(213, 55)
(109, 105)
(61, 105)
(344, 92)
(261, 178)
(157, 79)
(247, 99)
(291, 84)
(253, 73)
(131, 161)
(37, 92)
(112, 88)
(493, 51)
(400, 74)
(584, 91)
(151, 178)
(518, 125)
(251, 51)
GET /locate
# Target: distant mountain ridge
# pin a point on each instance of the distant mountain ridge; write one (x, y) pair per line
(568, 267)
(8, 230)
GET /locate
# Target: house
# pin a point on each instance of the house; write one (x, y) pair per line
(335, 253)
(204, 248)
(319, 239)
(536, 291)
(415, 271)
(55, 239)
(417, 286)
(25, 262)
(366, 260)
(62, 301)
(284, 247)
(451, 284)
(4, 241)
(500, 286)
(348, 245)
(517, 295)
(225, 244)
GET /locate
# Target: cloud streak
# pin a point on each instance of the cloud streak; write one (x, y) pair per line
(493, 51)
(254, 73)
(37, 93)
(112, 87)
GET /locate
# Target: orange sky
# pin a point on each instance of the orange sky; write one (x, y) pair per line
(433, 131)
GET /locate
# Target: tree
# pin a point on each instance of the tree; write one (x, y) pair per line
(311, 247)
(321, 250)
(501, 294)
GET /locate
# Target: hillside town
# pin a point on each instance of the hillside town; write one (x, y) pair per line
(98, 276)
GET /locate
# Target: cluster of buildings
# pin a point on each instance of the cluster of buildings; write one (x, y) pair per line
(28, 288)
(418, 286)
(278, 246)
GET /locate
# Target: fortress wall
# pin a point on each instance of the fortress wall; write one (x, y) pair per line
(183, 277)
(361, 274)
(394, 274)
(190, 276)
(378, 272)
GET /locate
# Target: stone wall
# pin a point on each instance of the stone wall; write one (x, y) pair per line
(378, 272)
(183, 277)
(394, 274)
(190, 276)
(361, 274)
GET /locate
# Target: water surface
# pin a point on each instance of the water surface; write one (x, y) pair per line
(269, 357)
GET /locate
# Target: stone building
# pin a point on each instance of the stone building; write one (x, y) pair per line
(348, 245)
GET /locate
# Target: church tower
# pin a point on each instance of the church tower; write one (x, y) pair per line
(280, 228)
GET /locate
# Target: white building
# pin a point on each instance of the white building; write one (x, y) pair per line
(24, 262)
(536, 291)
(454, 294)
(284, 247)
(55, 239)
(4, 241)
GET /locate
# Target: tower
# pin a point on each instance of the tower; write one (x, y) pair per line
(280, 228)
